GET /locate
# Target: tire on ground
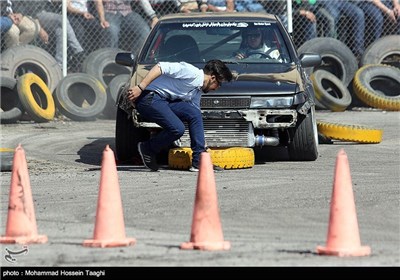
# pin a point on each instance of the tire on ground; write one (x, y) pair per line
(6, 159)
(385, 50)
(350, 133)
(11, 107)
(112, 90)
(337, 58)
(19, 60)
(36, 98)
(227, 158)
(378, 86)
(101, 65)
(330, 91)
(80, 97)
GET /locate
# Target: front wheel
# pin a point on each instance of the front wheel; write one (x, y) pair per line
(303, 145)
(127, 136)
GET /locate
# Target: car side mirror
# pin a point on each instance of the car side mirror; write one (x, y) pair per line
(126, 59)
(310, 59)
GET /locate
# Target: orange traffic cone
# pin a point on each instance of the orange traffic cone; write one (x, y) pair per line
(21, 221)
(109, 230)
(206, 226)
(343, 235)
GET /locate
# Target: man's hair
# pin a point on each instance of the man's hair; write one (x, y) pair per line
(218, 69)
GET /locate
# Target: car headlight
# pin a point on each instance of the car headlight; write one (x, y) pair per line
(271, 102)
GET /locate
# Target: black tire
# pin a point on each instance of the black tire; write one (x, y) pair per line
(11, 107)
(6, 159)
(385, 50)
(80, 97)
(378, 86)
(330, 91)
(127, 136)
(303, 145)
(101, 65)
(337, 58)
(36, 98)
(112, 90)
(19, 60)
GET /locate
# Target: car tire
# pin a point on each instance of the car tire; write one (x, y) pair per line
(101, 65)
(36, 98)
(330, 91)
(350, 133)
(80, 97)
(378, 86)
(337, 58)
(127, 136)
(227, 158)
(11, 107)
(19, 60)
(6, 159)
(385, 50)
(303, 143)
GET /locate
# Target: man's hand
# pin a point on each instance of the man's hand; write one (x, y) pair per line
(16, 18)
(134, 93)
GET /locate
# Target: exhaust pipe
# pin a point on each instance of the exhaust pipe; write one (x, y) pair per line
(262, 140)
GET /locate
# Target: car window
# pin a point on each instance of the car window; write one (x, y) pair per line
(197, 42)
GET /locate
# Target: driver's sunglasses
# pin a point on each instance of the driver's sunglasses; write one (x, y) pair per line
(254, 36)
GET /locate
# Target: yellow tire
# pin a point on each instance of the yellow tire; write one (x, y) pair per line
(227, 158)
(351, 133)
(36, 97)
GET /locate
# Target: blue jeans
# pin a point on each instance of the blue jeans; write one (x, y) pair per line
(355, 14)
(171, 115)
(134, 30)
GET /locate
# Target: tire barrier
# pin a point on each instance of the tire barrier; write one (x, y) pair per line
(385, 50)
(227, 158)
(17, 61)
(337, 58)
(112, 90)
(330, 91)
(36, 98)
(11, 107)
(378, 86)
(101, 65)
(80, 97)
(350, 133)
(6, 159)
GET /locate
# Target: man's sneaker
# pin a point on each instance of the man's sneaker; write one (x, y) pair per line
(148, 158)
(196, 169)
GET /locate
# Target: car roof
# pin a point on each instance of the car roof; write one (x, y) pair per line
(180, 17)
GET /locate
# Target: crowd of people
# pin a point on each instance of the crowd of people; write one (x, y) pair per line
(125, 24)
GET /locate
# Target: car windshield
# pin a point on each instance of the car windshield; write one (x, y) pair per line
(198, 42)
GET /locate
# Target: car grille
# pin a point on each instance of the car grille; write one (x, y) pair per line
(225, 102)
(224, 133)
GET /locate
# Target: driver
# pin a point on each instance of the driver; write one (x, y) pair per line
(253, 46)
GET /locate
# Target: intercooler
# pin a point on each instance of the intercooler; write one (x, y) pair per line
(224, 133)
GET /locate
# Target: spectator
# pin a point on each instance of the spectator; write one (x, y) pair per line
(85, 25)
(119, 20)
(375, 11)
(188, 6)
(220, 5)
(353, 14)
(169, 95)
(253, 46)
(23, 30)
(249, 6)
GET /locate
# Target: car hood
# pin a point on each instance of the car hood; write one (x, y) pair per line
(260, 80)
